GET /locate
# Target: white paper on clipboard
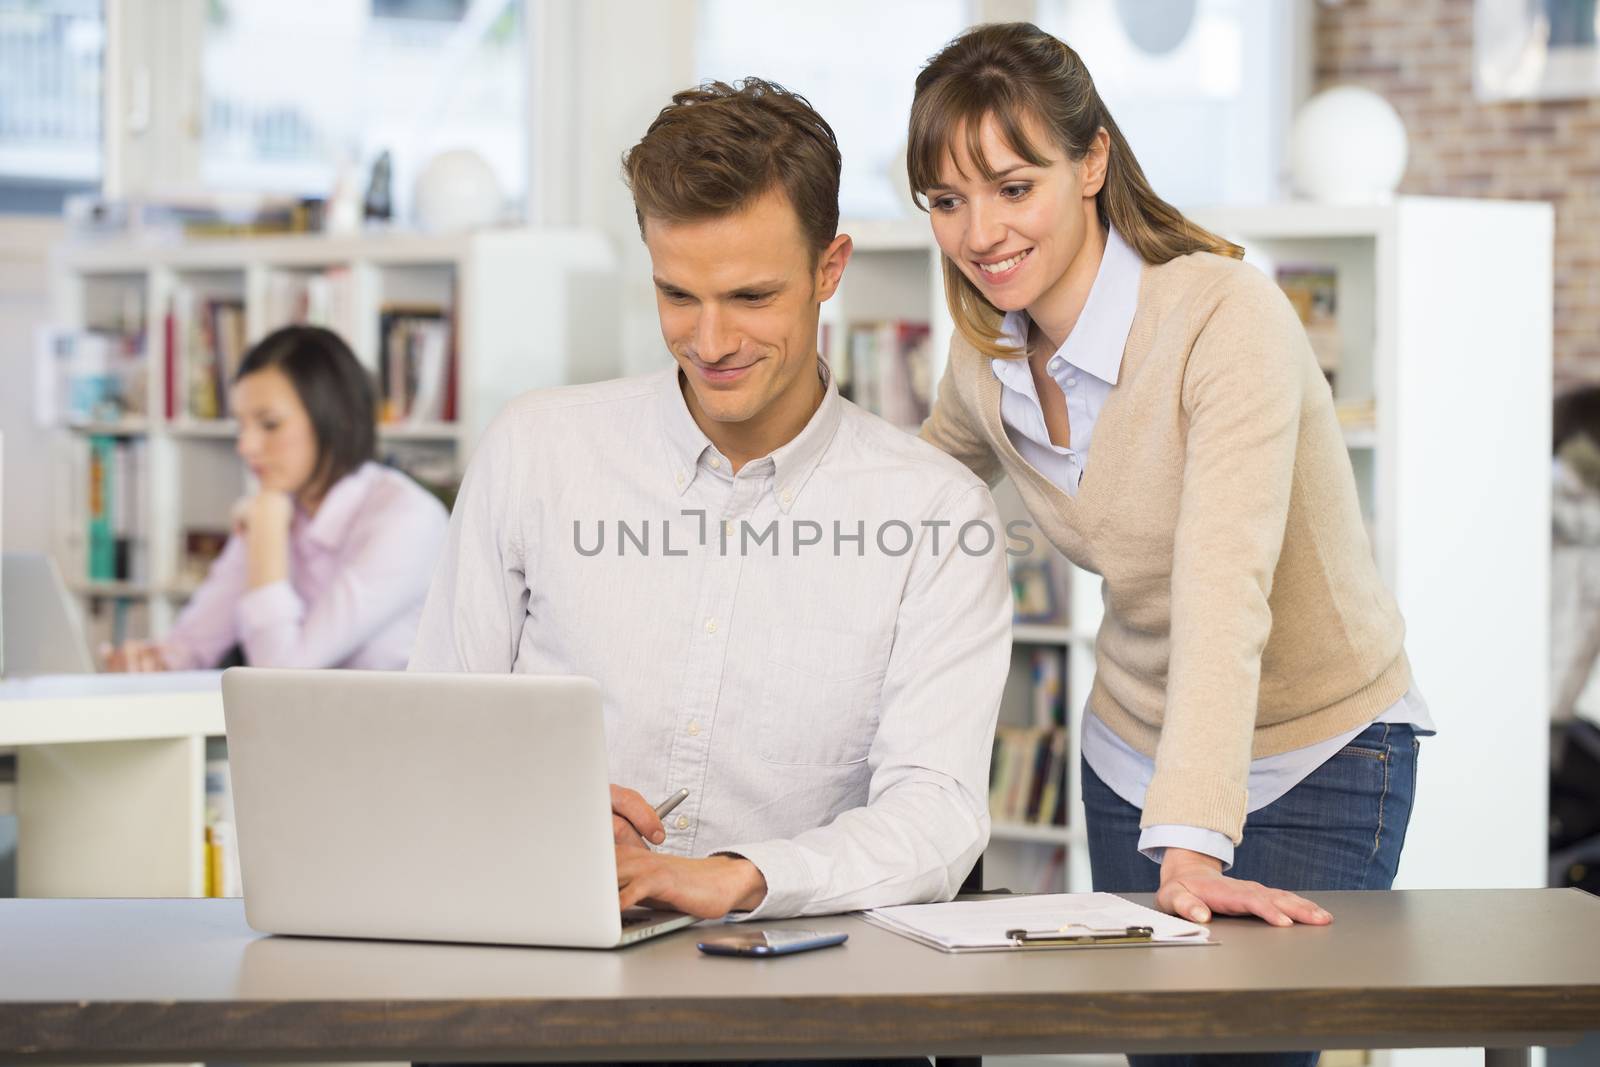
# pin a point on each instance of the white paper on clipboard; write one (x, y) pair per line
(982, 925)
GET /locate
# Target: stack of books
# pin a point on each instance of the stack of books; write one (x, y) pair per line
(222, 841)
(416, 366)
(1027, 775)
(205, 345)
(90, 376)
(1314, 292)
(114, 471)
(884, 367)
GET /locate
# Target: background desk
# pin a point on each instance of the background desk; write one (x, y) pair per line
(150, 980)
(110, 795)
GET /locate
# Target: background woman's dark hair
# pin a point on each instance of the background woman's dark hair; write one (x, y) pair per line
(334, 388)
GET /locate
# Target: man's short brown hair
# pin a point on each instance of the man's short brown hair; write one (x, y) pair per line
(718, 147)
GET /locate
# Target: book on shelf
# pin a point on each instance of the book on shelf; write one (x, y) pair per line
(114, 472)
(1048, 687)
(1359, 413)
(416, 366)
(885, 367)
(201, 547)
(205, 336)
(1313, 290)
(221, 836)
(1027, 774)
(324, 298)
(86, 376)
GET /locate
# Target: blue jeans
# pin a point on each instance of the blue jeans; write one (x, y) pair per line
(1342, 827)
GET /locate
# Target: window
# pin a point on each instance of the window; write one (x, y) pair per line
(51, 54)
(1200, 88)
(295, 89)
(857, 64)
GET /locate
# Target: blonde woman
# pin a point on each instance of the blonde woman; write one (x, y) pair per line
(1252, 729)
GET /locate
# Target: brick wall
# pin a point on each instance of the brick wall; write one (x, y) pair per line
(1418, 55)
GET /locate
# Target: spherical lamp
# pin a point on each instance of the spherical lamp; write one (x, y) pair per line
(1347, 146)
(457, 190)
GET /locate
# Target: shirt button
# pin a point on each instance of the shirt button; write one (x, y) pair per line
(711, 626)
(716, 464)
(1055, 364)
(787, 496)
(694, 729)
(1072, 381)
(680, 479)
(683, 822)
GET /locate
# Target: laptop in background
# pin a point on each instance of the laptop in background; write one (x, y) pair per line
(426, 807)
(40, 632)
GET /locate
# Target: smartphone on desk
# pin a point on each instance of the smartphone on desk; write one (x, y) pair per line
(769, 942)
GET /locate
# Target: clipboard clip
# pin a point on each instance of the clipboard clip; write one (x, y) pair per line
(1078, 934)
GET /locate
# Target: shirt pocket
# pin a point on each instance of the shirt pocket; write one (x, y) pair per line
(819, 706)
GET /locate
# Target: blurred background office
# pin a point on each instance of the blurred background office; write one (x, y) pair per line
(438, 181)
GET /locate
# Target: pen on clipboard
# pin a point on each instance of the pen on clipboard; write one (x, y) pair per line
(1066, 935)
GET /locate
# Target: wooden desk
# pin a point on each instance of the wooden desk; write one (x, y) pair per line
(160, 980)
(110, 796)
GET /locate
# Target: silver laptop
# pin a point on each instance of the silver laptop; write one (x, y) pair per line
(428, 807)
(40, 632)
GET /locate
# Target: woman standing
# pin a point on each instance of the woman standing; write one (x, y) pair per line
(1251, 732)
(331, 557)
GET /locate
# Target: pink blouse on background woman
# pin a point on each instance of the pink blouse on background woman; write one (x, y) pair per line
(358, 573)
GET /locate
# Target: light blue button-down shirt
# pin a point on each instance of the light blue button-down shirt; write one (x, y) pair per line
(1086, 368)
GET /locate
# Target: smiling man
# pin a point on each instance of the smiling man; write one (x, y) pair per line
(795, 611)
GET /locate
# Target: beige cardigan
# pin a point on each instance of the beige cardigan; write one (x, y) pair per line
(1244, 613)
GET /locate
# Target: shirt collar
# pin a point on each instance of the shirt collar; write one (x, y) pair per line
(685, 441)
(792, 462)
(1101, 333)
(339, 507)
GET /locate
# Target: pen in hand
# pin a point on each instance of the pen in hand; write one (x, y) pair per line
(664, 808)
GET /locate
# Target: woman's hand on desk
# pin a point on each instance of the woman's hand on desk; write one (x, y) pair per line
(134, 657)
(1194, 887)
(708, 888)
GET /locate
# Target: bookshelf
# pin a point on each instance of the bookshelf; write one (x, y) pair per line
(514, 309)
(1445, 309)
(1446, 416)
(895, 274)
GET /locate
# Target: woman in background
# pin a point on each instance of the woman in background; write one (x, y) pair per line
(330, 559)
(1252, 729)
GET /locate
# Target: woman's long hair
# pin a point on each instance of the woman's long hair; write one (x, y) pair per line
(1013, 71)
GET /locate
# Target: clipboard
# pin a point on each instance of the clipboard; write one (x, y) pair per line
(1032, 923)
(1064, 937)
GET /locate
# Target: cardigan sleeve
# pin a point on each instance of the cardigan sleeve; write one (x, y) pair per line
(1243, 387)
(953, 429)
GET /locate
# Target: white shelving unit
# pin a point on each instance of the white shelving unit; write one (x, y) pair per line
(528, 307)
(1444, 311)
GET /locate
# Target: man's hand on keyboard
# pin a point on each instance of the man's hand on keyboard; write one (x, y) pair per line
(708, 888)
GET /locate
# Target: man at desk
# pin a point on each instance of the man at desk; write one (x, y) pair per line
(794, 610)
